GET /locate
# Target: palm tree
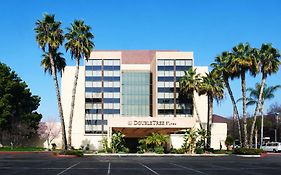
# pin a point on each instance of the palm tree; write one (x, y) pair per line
(242, 60)
(80, 44)
(213, 86)
(268, 93)
(49, 37)
(268, 58)
(189, 84)
(221, 69)
(59, 61)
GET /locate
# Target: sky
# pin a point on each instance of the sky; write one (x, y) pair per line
(205, 27)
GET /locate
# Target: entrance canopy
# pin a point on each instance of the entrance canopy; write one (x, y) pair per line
(141, 126)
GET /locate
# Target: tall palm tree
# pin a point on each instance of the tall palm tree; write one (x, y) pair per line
(242, 61)
(80, 44)
(221, 69)
(212, 86)
(189, 84)
(50, 37)
(268, 58)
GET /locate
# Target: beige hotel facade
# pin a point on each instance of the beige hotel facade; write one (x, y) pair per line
(135, 92)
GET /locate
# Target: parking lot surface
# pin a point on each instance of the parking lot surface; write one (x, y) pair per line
(45, 164)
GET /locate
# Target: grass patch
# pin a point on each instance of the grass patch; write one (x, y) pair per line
(7, 148)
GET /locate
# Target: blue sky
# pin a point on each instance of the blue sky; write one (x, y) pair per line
(203, 26)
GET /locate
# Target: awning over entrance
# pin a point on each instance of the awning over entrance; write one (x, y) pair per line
(141, 126)
(141, 132)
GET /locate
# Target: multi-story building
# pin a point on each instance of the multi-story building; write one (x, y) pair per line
(135, 92)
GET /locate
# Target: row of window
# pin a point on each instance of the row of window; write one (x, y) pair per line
(105, 73)
(168, 89)
(105, 95)
(102, 78)
(94, 131)
(99, 116)
(104, 89)
(96, 122)
(91, 62)
(105, 84)
(171, 68)
(105, 100)
(171, 62)
(102, 68)
(170, 73)
(105, 105)
(133, 81)
(171, 111)
(104, 111)
(165, 84)
(169, 78)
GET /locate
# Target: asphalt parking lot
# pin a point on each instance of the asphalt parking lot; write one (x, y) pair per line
(44, 164)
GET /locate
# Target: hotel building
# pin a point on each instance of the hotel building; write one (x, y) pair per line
(135, 92)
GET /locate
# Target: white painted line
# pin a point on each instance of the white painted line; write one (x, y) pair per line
(68, 168)
(149, 169)
(191, 169)
(108, 170)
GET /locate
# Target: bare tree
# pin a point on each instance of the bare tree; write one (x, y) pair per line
(49, 131)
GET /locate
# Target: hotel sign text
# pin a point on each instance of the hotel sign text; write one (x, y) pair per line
(151, 123)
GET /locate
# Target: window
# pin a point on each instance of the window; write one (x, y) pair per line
(136, 93)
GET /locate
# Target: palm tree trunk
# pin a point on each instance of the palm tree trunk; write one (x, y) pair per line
(209, 120)
(243, 83)
(196, 110)
(257, 108)
(73, 103)
(235, 110)
(262, 118)
(54, 74)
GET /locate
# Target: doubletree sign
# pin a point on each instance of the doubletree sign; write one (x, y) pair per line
(151, 123)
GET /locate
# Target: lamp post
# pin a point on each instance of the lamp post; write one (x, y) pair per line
(276, 129)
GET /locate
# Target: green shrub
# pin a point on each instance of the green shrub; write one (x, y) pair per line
(54, 146)
(72, 152)
(153, 143)
(222, 152)
(199, 150)
(211, 150)
(159, 149)
(177, 151)
(117, 142)
(248, 151)
(229, 141)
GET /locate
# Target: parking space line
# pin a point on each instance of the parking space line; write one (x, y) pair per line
(108, 170)
(191, 169)
(68, 168)
(149, 168)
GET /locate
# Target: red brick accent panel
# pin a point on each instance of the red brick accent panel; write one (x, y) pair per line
(138, 56)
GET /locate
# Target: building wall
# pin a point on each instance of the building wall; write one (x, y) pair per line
(218, 135)
(78, 127)
(201, 101)
(79, 137)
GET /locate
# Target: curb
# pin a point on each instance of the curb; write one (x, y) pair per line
(158, 155)
(252, 156)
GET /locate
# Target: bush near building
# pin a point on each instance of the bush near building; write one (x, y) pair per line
(153, 143)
